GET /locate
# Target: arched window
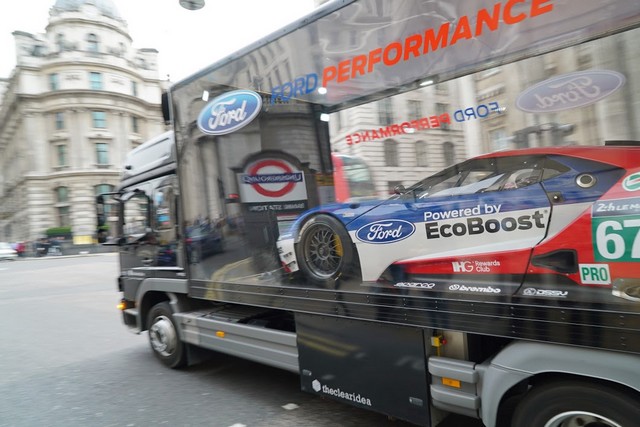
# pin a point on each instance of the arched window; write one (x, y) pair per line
(391, 152)
(448, 152)
(92, 43)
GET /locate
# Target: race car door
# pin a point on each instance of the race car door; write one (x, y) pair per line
(479, 219)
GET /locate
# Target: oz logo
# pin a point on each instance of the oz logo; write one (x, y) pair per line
(272, 178)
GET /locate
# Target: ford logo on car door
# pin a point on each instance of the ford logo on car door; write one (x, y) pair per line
(229, 112)
(387, 231)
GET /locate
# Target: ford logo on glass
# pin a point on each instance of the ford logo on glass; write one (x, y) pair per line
(569, 91)
(386, 231)
(229, 112)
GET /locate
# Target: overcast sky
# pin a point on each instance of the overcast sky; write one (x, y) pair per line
(187, 41)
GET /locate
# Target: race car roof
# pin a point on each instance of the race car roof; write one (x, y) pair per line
(619, 155)
(353, 51)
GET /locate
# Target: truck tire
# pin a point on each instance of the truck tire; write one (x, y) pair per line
(324, 250)
(163, 336)
(577, 403)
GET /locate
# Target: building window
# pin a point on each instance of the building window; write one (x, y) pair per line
(415, 109)
(61, 154)
(421, 154)
(95, 80)
(134, 88)
(448, 152)
(440, 110)
(498, 139)
(62, 195)
(391, 152)
(442, 89)
(102, 153)
(63, 216)
(99, 119)
(92, 43)
(385, 111)
(60, 42)
(59, 120)
(54, 81)
(135, 128)
(62, 206)
(103, 188)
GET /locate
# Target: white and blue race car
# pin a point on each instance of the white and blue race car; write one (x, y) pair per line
(568, 215)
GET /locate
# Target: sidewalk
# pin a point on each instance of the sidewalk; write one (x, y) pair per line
(73, 250)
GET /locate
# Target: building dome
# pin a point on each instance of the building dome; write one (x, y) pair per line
(106, 7)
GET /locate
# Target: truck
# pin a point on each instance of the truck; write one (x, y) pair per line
(495, 273)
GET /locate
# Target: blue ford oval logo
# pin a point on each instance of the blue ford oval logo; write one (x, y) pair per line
(229, 112)
(569, 91)
(386, 231)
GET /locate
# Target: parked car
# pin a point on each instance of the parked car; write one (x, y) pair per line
(204, 240)
(7, 252)
(545, 222)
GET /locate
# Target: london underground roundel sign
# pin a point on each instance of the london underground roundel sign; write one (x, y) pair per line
(271, 179)
(229, 112)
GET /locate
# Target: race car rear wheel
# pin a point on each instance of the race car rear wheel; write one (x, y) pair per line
(324, 251)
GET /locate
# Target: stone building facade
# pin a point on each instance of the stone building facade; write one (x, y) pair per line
(80, 97)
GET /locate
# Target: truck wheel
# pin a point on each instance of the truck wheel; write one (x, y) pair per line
(163, 336)
(324, 251)
(576, 403)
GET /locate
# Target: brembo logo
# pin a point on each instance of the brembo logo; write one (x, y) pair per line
(229, 112)
(386, 231)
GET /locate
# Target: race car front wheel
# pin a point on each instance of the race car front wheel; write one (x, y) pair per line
(324, 250)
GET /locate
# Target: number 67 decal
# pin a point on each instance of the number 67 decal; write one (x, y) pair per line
(618, 240)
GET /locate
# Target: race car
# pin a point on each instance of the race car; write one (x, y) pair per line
(546, 218)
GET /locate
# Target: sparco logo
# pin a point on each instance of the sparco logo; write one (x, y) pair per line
(387, 231)
(476, 225)
(229, 112)
(421, 285)
(544, 293)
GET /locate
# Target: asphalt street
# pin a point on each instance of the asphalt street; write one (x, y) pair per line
(68, 361)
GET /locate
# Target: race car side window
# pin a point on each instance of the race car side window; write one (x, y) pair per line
(484, 175)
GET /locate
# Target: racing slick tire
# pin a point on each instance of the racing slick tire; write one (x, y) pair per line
(163, 336)
(324, 251)
(577, 403)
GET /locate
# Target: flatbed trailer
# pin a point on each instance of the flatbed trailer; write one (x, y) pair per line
(515, 305)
